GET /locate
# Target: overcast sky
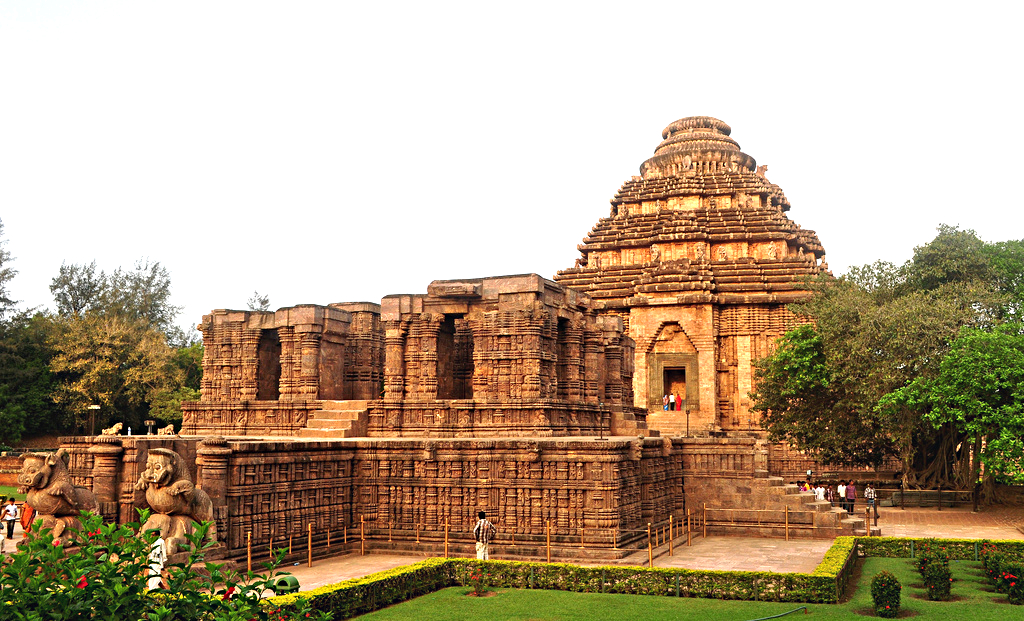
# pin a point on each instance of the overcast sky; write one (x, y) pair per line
(328, 152)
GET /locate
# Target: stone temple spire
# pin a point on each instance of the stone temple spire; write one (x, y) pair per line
(698, 144)
(699, 259)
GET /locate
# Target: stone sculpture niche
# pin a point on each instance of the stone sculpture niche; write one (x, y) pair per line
(46, 482)
(176, 503)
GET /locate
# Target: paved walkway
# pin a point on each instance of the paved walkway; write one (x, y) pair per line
(737, 553)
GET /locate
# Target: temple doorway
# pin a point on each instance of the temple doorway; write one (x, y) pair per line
(455, 358)
(675, 382)
(268, 369)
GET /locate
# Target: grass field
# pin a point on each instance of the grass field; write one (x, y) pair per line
(7, 492)
(974, 601)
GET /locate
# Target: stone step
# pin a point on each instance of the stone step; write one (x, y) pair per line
(776, 481)
(336, 414)
(821, 506)
(351, 404)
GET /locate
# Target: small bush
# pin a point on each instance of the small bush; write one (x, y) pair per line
(938, 579)
(885, 592)
(1011, 582)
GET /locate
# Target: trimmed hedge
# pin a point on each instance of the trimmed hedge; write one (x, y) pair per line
(362, 595)
(825, 585)
(957, 549)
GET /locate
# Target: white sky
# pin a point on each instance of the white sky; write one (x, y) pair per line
(339, 151)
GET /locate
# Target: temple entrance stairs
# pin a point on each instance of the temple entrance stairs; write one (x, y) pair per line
(337, 419)
(767, 506)
(825, 517)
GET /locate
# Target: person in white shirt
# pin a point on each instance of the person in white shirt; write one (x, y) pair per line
(841, 492)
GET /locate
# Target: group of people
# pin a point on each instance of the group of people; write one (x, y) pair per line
(672, 402)
(843, 496)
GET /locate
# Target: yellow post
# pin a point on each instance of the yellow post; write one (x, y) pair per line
(309, 546)
(248, 550)
(650, 550)
(446, 525)
(417, 532)
(513, 539)
(787, 523)
(615, 539)
(344, 535)
(549, 540)
(362, 537)
(270, 552)
(389, 532)
(867, 518)
(704, 520)
(583, 536)
(689, 529)
(290, 535)
(328, 539)
(671, 543)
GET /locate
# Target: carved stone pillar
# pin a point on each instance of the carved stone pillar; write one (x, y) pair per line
(431, 326)
(309, 365)
(213, 455)
(394, 361)
(106, 468)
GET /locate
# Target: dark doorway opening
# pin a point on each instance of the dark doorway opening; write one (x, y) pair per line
(675, 383)
(268, 373)
(455, 359)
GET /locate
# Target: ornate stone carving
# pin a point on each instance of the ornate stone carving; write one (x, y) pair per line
(177, 504)
(46, 482)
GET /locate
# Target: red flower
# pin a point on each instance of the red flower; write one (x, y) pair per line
(82, 582)
(228, 593)
(56, 542)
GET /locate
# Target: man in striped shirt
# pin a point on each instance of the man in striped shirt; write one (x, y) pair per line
(484, 531)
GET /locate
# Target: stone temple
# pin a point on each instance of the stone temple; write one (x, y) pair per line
(699, 260)
(536, 400)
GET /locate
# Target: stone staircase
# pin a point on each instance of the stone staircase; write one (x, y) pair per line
(337, 419)
(825, 516)
(764, 505)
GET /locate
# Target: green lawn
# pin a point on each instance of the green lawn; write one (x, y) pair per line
(7, 492)
(976, 602)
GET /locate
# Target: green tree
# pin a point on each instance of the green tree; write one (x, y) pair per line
(26, 383)
(978, 392)
(258, 302)
(113, 361)
(6, 274)
(166, 404)
(78, 289)
(881, 327)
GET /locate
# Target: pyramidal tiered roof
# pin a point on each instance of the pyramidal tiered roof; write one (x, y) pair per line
(701, 223)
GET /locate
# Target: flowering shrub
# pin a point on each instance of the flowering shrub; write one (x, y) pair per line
(938, 579)
(101, 572)
(1009, 582)
(885, 592)
(478, 578)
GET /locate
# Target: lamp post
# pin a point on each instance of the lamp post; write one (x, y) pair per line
(92, 419)
(687, 421)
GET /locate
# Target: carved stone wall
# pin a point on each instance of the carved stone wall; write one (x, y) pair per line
(699, 245)
(503, 356)
(407, 489)
(264, 372)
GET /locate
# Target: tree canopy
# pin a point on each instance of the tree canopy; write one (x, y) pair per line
(877, 330)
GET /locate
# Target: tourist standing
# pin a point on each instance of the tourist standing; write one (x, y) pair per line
(672, 402)
(841, 494)
(483, 532)
(819, 492)
(679, 403)
(664, 402)
(157, 558)
(851, 496)
(869, 496)
(830, 495)
(10, 515)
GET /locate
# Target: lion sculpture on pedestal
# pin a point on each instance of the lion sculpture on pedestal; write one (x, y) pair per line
(177, 504)
(46, 482)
